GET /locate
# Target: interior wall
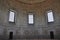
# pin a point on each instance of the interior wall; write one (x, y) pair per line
(21, 28)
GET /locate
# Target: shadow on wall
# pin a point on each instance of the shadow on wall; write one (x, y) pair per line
(31, 36)
(26, 37)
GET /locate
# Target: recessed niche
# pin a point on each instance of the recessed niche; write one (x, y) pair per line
(10, 35)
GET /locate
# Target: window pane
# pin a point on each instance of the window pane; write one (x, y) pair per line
(50, 17)
(11, 16)
(30, 18)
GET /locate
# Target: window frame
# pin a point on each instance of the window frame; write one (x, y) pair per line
(52, 16)
(32, 19)
(9, 16)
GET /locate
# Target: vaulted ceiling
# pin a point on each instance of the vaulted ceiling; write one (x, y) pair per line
(30, 1)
